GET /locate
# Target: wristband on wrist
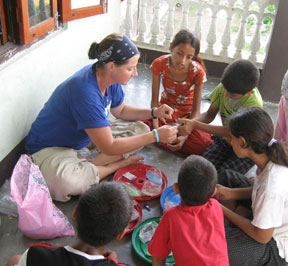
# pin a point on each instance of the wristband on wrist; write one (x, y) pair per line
(156, 134)
(152, 113)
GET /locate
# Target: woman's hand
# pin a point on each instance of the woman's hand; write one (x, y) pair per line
(164, 111)
(186, 126)
(167, 134)
(178, 144)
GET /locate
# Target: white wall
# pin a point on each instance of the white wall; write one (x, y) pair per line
(28, 79)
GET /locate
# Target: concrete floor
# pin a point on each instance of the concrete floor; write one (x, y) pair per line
(138, 93)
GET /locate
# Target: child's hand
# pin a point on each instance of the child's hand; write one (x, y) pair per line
(223, 193)
(186, 126)
(111, 255)
(167, 134)
(164, 111)
(176, 146)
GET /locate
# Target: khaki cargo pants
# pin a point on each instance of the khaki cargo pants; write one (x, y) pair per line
(66, 174)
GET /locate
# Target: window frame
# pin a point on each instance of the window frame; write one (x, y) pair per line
(68, 14)
(29, 34)
(3, 24)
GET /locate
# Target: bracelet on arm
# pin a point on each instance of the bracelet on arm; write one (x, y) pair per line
(156, 134)
(152, 113)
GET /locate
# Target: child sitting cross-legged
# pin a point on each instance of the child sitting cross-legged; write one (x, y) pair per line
(194, 230)
(182, 74)
(236, 90)
(101, 216)
(259, 238)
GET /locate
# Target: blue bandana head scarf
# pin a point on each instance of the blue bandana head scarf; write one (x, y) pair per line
(120, 51)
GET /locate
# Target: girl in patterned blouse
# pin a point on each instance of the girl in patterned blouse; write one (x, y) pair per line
(182, 73)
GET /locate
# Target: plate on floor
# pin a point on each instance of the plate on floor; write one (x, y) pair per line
(169, 199)
(137, 212)
(142, 248)
(138, 181)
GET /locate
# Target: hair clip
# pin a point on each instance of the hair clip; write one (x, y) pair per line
(271, 142)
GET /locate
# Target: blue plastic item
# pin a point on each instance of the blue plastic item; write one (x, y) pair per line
(169, 199)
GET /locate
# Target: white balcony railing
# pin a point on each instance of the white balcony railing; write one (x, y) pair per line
(228, 29)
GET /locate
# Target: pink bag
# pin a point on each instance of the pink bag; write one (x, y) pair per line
(39, 218)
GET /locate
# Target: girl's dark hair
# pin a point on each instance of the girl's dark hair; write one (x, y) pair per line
(97, 48)
(256, 126)
(186, 36)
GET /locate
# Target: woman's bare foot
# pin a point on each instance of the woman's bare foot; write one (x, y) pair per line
(134, 159)
(113, 167)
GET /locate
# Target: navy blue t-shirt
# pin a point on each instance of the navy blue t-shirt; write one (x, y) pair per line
(75, 105)
(47, 255)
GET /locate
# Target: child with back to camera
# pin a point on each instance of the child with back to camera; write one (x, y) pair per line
(281, 130)
(102, 214)
(194, 230)
(182, 73)
(236, 90)
(262, 240)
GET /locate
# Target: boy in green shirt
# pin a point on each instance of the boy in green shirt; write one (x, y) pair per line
(236, 90)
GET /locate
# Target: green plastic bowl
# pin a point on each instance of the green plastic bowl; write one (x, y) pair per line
(140, 247)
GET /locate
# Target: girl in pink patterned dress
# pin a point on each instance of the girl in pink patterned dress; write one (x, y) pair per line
(182, 73)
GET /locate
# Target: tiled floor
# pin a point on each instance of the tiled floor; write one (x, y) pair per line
(138, 93)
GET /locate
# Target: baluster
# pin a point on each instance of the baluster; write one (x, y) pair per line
(197, 27)
(226, 37)
(155, 27)
(185, 12)
(128, 24)
(240, 41)
(255, 43)
(211, 37)
(169, 29)
(142, 21)
(266, 49)
(276, 4)
(263, 6)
